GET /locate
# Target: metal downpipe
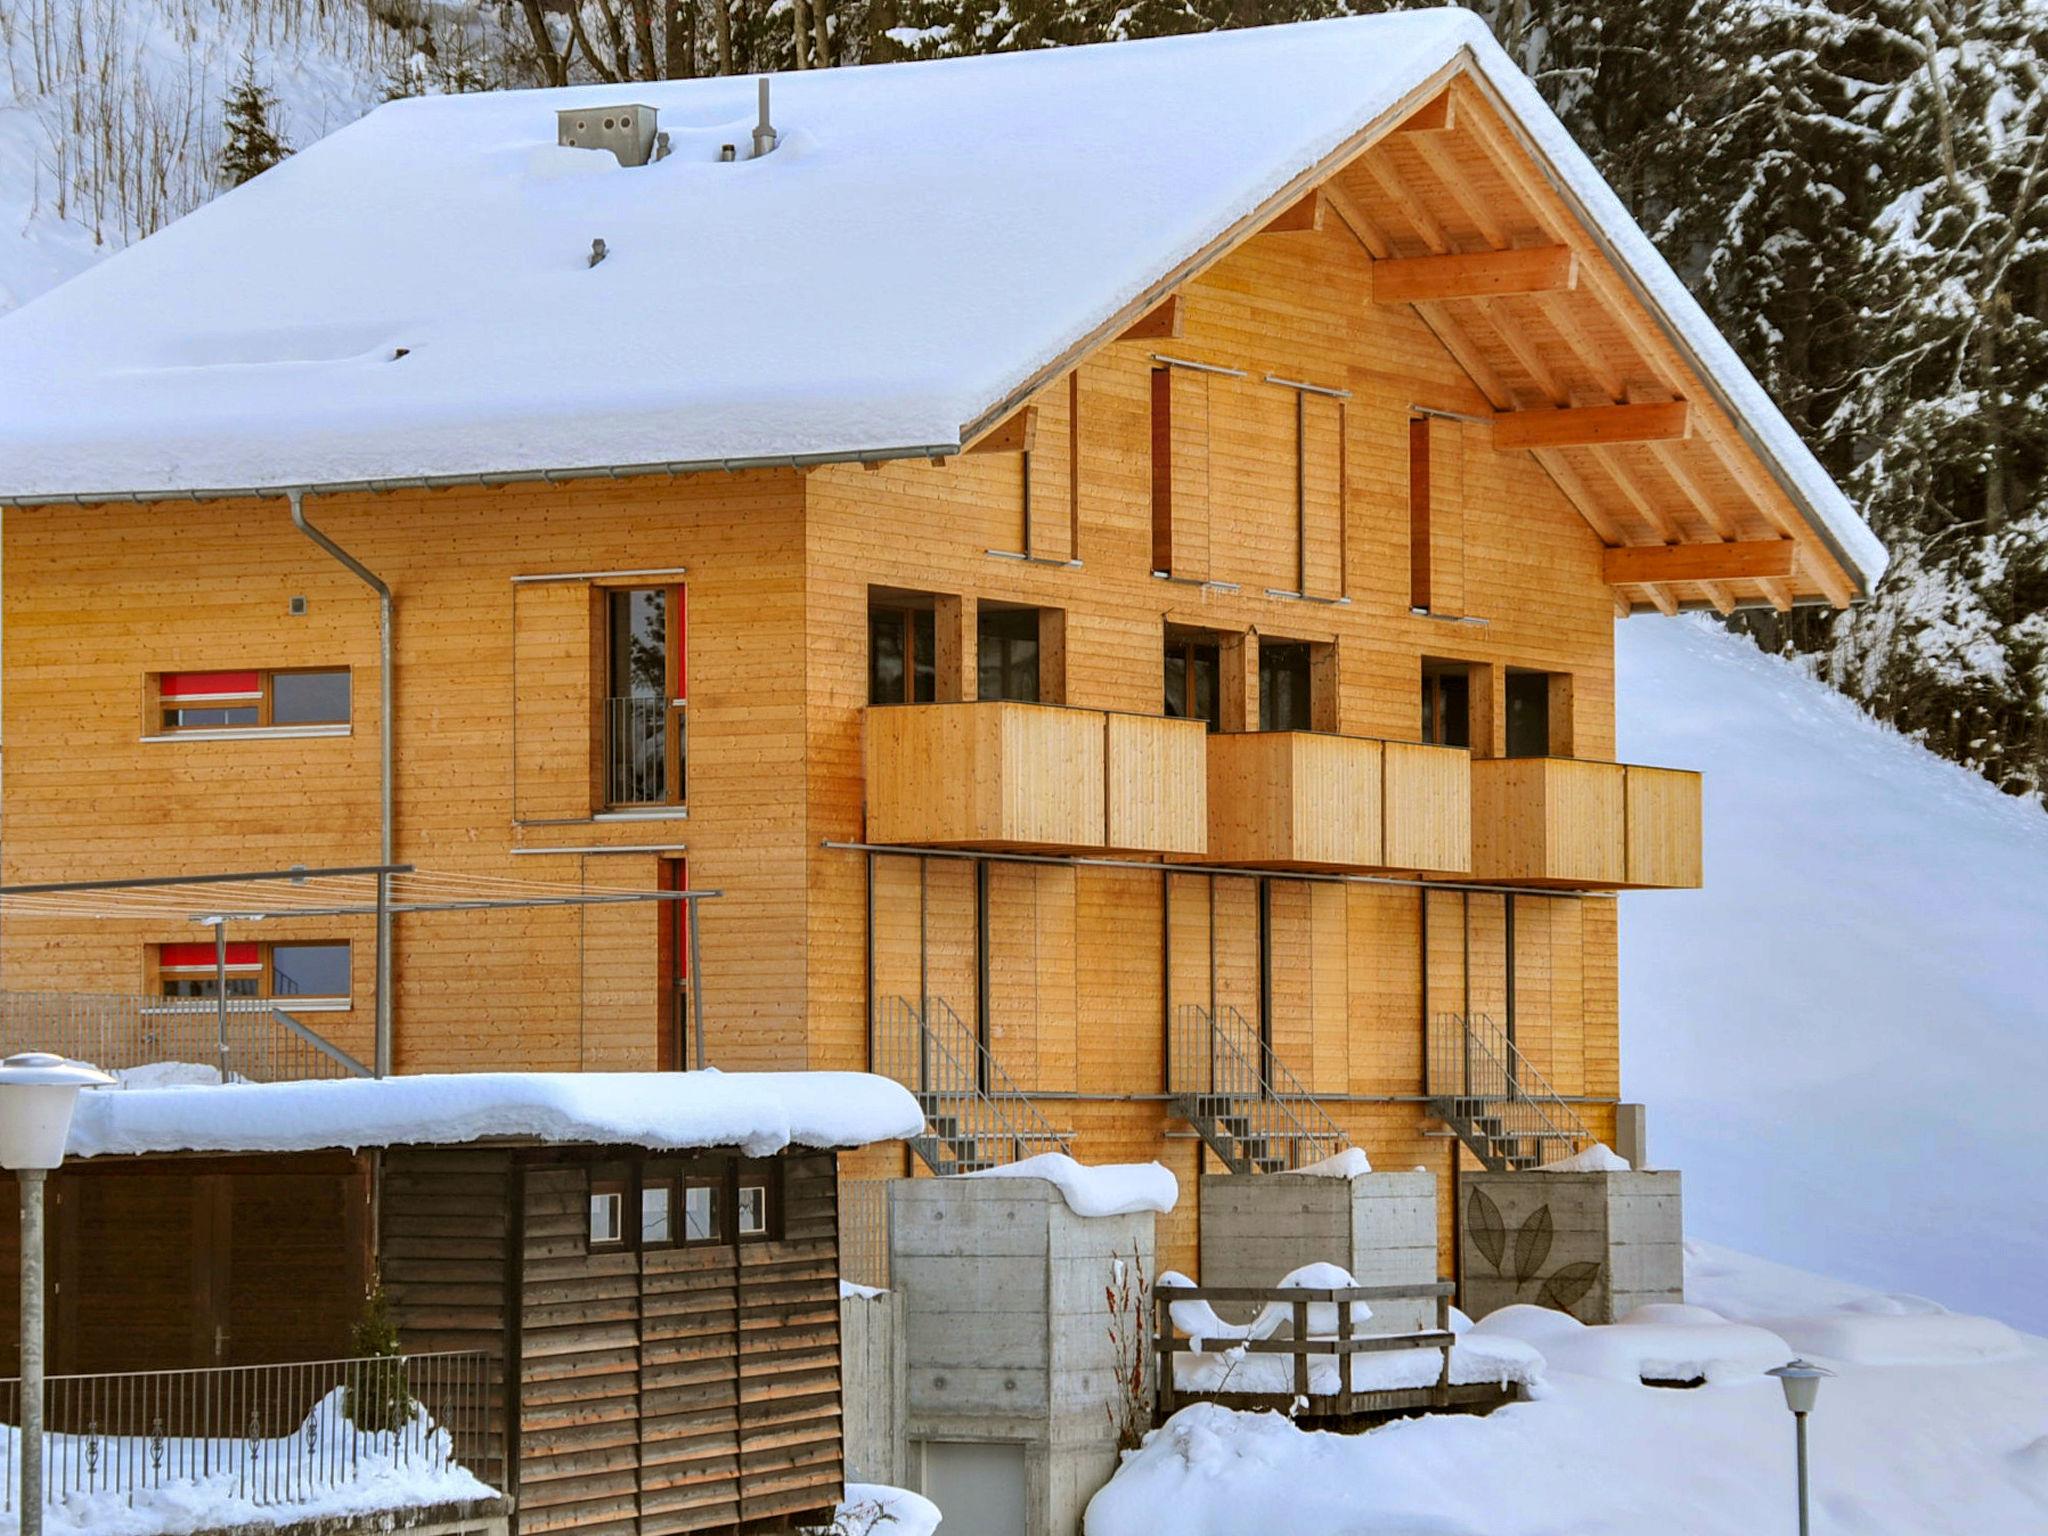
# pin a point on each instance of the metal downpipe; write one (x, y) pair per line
(381, 1058)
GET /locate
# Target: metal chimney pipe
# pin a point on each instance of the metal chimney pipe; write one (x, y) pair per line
(764, 131)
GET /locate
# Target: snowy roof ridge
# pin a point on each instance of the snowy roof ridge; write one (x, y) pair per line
(758, 1112)
(410, 298)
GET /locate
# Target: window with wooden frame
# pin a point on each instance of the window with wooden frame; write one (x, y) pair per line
(1446, 705)
(1539, 714)
(657, 1213)
(703, 1210)
(1009, 653)
(754, 1209)
(903, 650)
(645, 742)
(607, 1214)
(304, 975)
(1436, 516)
(282, 700)
(1193, 677)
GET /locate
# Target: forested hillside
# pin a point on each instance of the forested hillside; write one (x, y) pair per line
(1856, 189)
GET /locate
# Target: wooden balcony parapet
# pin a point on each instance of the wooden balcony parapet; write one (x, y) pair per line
(1310, 800)
(1568, 822)
(1004, 775)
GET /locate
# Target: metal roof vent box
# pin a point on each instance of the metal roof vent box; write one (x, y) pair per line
(627, 129)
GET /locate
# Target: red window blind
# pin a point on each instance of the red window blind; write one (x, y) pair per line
(200, 957)
(189, 687)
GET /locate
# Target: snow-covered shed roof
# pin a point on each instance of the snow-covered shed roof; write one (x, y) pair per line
(412, 297)
(758, 1112)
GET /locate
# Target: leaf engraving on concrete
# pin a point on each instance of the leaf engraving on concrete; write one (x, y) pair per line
(1532, 1244)
(1564, 1289)
(1489, 1231)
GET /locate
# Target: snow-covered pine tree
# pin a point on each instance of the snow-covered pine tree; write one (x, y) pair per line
(251, 145)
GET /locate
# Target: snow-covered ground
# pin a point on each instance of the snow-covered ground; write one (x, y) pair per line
(1951, 1437)
(1842, 1039)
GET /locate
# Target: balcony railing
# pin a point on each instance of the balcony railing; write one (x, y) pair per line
(644, 752)
(251, 1040)
(236, 1439)
(1571, 822)
(1312, 800)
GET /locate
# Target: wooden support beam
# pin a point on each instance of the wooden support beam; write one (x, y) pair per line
(1779, 592)
(1718, 596)
(1593, 426)
(1580, 496)
(1649, 565)
(1478, 275)
(1369, 234)
(1664, 602)
(1435, 152)
(1161, 323)
(1437, 115)
(1526, 352)
(1302, 217)
(1015, 433)
(1612, 465)
(1669, 461)
(1467, 355)
(1425, 224)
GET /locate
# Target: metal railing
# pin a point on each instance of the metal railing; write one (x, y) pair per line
(266, 1435)
(974, 1109)
(1224, 1071)
(1476, 1070)
(637, 766)
(251, 1040)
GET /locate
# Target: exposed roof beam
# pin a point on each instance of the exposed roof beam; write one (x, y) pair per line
(1526, 352)
(1467, 355)
(1434, 152)
(1015, 433)
(1427, 229)
(1592, 426)
(1778, 592)
(1434, 116)
(1162, 323)
(1478, 275)
(1688, 484)
(1698, 562)
(1577, 493)
(1297, 218)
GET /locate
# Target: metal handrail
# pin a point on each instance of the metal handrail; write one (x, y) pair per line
(636, 760)
(252, 1040)
(270, 1435)
(1472, 1059)
(934, 1054)
(1262, 1094)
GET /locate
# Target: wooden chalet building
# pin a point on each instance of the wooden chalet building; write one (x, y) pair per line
(1107, 558)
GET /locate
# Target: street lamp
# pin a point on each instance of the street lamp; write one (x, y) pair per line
(37, 1094)
(1801, 1381)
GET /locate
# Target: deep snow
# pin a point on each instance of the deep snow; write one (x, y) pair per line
(1843, 1038)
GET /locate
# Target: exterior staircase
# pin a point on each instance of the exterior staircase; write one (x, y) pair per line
(1495, 1101)
(975, 1115)
(1242, 1101)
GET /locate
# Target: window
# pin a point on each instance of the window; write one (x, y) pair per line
(753, 1209)
(1447, 706)
(1193, 671)
(301, 973)
(657, 1215)
(644, 737)
(1436, 516)
(902, 655)
(1284, 686)
(1530, 716)
(608, 1215)
(215, 701)
(700, 1212)
(1009, 654)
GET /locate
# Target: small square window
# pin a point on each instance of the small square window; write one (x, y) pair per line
(657, 1216)
(753, 1210)
(607, 1216)
(700, 1214)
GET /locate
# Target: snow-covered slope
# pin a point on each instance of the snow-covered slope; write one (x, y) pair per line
(1843, 1039)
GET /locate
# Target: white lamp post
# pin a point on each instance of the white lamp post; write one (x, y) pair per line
(1801, 1381)
(37, 1094)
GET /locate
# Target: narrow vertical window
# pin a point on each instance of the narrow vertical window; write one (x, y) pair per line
(1008, 654)
(1447, 707)
(1193, 669)
(1418, 514)
(644, 735)
(1528, 701)
(902, 654)
(1284, 686)
(1162, 471)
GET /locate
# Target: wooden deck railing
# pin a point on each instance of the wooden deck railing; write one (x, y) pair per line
(1305, 1349)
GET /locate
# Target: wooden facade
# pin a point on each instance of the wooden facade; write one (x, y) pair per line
(1481, 441)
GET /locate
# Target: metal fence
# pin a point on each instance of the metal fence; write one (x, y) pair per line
(251, 1040)
(1486, 1079)
(637, 765)
(1222, 1071)
(266, 1435)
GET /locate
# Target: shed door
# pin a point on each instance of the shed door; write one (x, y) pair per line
(979, 1487)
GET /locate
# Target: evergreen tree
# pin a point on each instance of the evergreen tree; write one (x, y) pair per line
(251, 146)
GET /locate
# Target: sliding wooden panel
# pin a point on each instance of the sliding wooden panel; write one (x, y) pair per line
(1049, 469)
(1322, 494)
(1252, 516)
(555, 716)
(1180, 473)
(896, 957)
(1031, 973)
(1291, 958)
(1329, 990)
(1436, 513)
(1190, 977)
(1237, 946)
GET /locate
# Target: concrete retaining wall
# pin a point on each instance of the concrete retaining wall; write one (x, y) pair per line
(1596, 1245)
(876, 1412)
(1381, 1226)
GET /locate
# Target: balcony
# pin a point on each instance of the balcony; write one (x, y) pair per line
(1305, 800)
(996, 774)
(1554, 821)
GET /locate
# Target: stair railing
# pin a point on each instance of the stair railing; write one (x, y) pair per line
(1476, 1071)
(976, 1114)
(1221, 1068)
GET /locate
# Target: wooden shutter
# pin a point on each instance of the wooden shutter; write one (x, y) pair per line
(556, 730)
(1322, 495)
(1180, 472)
(1253, 516)
(1436, 514)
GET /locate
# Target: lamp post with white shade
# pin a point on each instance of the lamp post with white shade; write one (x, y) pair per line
(1801, 1380)
(37, 1094)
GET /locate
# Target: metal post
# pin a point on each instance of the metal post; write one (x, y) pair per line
(31, 1350)
(380, 1055)
(696, 982)
(1797, 1418)
(220, 982)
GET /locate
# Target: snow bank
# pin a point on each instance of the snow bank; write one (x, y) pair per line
(875, 1509)
(758, 1112)
(1657, 1343)
(1845, 1098)
(1347, 1164)
(853, 1291)
(1108, 1189)
(1598, 1158)
(1915, 1450)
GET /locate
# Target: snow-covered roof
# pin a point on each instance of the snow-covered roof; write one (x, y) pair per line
(927, 240)
(758, 1112)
